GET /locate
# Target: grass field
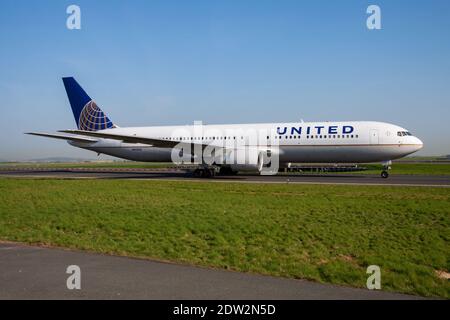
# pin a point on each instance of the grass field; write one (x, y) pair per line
(324, 233)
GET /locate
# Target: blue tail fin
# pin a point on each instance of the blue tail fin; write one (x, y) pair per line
(88, 115)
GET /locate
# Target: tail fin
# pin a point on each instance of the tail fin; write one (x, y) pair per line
(88, 115)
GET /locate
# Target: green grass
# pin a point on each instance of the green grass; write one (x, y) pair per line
(425, 158)
(324, 233)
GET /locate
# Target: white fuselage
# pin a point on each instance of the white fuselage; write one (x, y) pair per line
(313, 142)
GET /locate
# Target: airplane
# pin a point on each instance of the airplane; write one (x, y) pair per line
(280, 143)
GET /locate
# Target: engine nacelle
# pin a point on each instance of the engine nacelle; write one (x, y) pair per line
(253, 165)
(251, 159)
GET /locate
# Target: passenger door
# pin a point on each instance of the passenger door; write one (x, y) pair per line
(374, 139)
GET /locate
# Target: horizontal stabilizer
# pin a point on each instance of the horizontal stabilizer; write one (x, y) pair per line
(63, 137)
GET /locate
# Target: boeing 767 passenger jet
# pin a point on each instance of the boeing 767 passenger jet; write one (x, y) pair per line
(230, 148)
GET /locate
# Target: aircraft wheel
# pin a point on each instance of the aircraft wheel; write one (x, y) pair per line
(384, 174)
(197, 173)
(226, 171)
(206, 173)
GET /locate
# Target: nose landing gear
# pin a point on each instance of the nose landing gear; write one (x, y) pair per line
(386, 168)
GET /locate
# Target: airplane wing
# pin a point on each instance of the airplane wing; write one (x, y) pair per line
(129, 138)
(62, 137)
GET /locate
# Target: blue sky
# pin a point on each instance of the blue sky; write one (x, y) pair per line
(173, 62)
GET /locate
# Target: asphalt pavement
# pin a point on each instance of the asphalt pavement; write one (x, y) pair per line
(174, 174)
(30, 272)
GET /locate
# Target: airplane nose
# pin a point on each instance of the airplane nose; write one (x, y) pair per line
(418, 143)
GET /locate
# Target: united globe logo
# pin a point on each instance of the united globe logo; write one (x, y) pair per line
(92, 118)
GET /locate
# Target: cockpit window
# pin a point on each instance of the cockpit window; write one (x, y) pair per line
(403, 133)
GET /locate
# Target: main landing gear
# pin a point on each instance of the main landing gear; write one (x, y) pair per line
(210, 172)
(227, 171)
(204, 172)
(386, 168)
